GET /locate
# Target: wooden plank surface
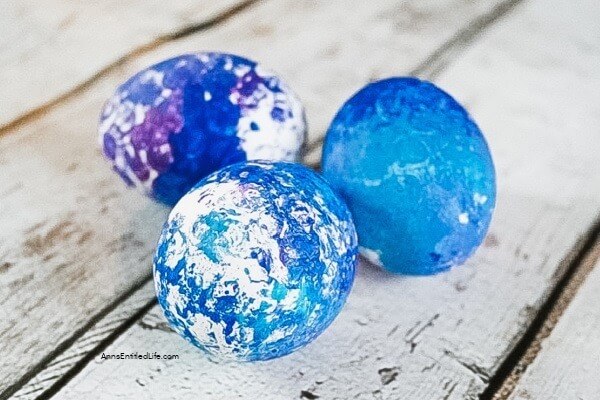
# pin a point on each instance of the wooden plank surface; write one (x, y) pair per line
(567, 361)
(50, 48)
(533, 83)
(104, 330)
(75, 241)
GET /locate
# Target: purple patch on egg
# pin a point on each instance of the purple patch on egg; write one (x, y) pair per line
(177, 121)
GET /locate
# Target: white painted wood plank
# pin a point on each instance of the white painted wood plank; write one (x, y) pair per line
(533, 84)
(567, 365)
(49, 48)
(74, 239)
(99, 332)
(327, 50)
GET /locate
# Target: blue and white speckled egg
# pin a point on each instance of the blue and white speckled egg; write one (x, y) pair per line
(416, 173)
(255, 261)
(177, 121)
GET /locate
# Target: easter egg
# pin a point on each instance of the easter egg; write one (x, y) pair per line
(175, 122)
(416, 173)
(255, 261)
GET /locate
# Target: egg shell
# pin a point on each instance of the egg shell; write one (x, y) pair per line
(255, 261)
(416, 173)
(175, 122)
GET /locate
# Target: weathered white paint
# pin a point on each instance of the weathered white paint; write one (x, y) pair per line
(567, 366)
(73, 239)
(49, 48)
(532, 82)
(327, 50)
(98, 332)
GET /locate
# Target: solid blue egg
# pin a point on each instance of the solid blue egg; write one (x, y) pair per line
(175, 122)
(255, 261)
(416, 173)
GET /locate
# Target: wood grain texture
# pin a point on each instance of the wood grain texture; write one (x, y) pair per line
(74, 240)
(327, 50)
(504, 384)
(102, 331)
(50, 48)
(568, 361)
(532, 82)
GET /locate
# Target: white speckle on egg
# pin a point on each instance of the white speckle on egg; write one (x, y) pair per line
(143, 155)
(463, 218)
(373, 256)
(176, 301)
(151, 75)
(372, 182)
(166, 92)
(140, 113)
(479, 198)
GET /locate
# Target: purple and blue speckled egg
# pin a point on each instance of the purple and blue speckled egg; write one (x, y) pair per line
(416, 173)
(255, 261)
(177, 121)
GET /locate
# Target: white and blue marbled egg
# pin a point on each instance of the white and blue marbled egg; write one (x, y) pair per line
(177, 121)
(416, 173)
(255, 261)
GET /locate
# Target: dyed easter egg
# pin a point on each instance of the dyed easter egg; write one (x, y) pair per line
(177, 121)
(255, 261)
(416, 173)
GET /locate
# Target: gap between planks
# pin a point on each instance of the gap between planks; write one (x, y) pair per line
(37, 382)
(49, 106)
(579, 263)
(125, 310)
(90, 343)
(43, 109)
(557, 274)
(82, 208)
(442, 56)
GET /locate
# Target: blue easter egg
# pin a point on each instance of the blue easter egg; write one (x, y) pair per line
(255, 261)
(416, 173)
(177, 121)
